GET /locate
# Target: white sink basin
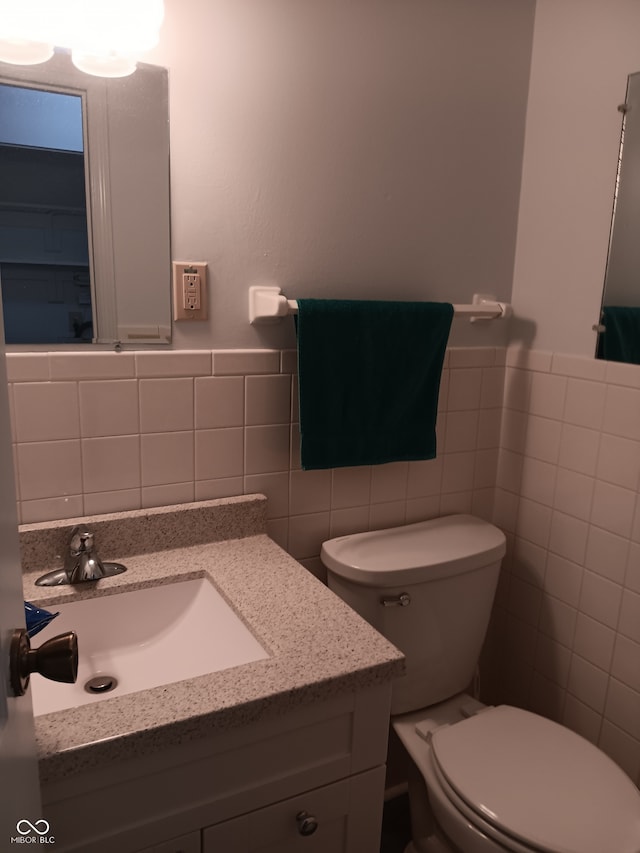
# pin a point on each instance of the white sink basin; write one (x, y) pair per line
(145, 638)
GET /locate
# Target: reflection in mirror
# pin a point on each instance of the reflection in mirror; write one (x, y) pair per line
(84, 209)
(44, 247)
(619, 329)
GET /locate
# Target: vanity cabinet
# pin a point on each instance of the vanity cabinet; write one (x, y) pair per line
(239, 790)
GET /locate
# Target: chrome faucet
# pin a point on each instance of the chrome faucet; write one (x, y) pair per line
(82, 562)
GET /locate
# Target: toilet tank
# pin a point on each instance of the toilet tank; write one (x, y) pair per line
(429, 588)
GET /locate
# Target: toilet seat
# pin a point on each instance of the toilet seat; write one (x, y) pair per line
(578, 800)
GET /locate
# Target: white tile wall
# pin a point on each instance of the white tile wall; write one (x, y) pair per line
(114, 431)
(546, 445)
(564, 638)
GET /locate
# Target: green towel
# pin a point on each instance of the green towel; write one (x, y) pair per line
(621, 340)
(369, 376)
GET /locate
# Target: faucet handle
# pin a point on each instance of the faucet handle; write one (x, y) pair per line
(81, 540)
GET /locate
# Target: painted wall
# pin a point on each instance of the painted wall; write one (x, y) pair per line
(583, 52)
(361, 149)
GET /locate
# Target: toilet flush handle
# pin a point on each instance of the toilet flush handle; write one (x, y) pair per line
(402, 600)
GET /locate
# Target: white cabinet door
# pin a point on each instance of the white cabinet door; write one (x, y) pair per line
(346, 815)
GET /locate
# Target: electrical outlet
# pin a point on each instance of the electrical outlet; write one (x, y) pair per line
(189, 287)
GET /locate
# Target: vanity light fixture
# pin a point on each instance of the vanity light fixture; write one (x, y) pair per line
(25, 31)
(105, 36)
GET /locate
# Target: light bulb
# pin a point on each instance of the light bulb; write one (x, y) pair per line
(105, 36)
(19, 51)
(101, 27)
(104, 65)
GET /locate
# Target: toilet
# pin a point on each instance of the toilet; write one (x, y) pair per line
(483, 779)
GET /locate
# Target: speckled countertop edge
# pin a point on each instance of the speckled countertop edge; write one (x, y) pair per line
(319, 648)
(144, 531)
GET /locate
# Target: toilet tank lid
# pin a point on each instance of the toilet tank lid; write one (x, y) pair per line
(415, 553)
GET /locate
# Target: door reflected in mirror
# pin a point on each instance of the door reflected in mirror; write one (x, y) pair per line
(44, 245)
(84, 209)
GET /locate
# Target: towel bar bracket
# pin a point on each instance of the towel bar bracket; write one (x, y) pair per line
(267, 304)
(484, 307)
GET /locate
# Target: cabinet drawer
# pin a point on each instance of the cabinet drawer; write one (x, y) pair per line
(347, 815)
(190, 843)
(274, 829)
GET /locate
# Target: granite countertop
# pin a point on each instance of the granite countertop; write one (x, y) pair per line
(318, 646)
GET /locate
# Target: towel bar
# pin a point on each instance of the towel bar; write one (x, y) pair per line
(268, 304)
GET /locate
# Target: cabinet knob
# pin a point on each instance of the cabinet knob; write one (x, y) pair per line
(307, 823)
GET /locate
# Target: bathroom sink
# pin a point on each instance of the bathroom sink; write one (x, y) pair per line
(145, 638)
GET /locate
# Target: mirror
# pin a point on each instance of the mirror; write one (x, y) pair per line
(619, 329)
(102, 268)
(44, 245)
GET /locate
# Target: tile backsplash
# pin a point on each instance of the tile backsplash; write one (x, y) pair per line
(546, 445)
(106, 432)
(565, 634)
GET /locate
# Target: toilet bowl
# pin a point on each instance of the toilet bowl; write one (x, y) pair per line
(485, 779)
(504, 779)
